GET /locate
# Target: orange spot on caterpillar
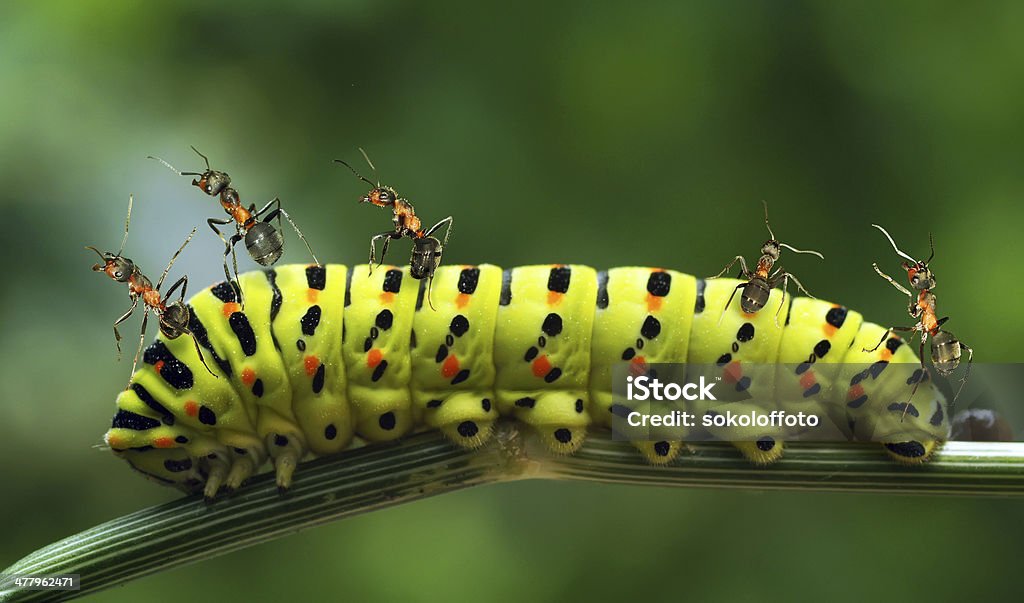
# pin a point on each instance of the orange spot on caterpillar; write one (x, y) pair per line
(807, 379)
(732, 372)
(638, 366)
(373, 358)
(248, 376)
(387, 297)
(312, 363)
(654, 302)
(163, 442)
(450, 367)
(828, 330)
(191, 408)
(541, 366)
(231, 307)
(856, 391)
(554, 298)
(114, 442)
(158, 365)
(462, 300)
(312, 295)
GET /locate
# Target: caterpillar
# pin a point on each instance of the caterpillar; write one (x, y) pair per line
(326, 357)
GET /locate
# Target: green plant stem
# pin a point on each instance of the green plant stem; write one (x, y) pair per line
(189, 530)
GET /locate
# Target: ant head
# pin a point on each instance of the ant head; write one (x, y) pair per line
(771, 248)
(115, 266)
(918, 272)
(212, 182)
(383, 196)
(426, 257)
(174, 320)
(919, 275)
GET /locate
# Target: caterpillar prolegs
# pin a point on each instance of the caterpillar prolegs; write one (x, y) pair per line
(327, 356)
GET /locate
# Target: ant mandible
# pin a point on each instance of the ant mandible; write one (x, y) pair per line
(762, 280)
(264, 242)
(426, 249)
(173, 317)
(946, 350)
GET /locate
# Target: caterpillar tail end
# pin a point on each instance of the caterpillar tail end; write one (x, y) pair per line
(659, 453)
(912, 452)
(764, 451)
(469, 434)
(562, 439)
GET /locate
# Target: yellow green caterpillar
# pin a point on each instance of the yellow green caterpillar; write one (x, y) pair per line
(326, 357)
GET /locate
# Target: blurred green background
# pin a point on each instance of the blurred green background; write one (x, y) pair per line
(553, 132)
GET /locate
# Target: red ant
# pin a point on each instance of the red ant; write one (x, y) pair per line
(946, 349)
(173, 317)
(426, 249)
(264, 242)
(762, 280)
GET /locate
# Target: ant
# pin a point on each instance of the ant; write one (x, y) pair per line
(946, 350)
(264, 242)
(762, 280)
(426, 249)
(173, 317)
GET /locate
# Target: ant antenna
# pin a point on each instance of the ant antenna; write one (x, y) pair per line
(127, 221)
(172, 168)
(367, 158)
(201, 155)
(808, 251)
(102, 257)
(358, 175)
(900, 253)
(931, 243)
(770, 233)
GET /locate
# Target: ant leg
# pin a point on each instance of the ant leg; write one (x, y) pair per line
(200, 351)
(178, 283)
(728, 303)
(228, 248)
(920, 352)
(174, 257)
(142, 339)
(117, 336)
(276, 201)
(800, 286)
(446, 222)
(886, 335)
(743, 267)
(277, 213)
(387, 236)
(430, 288)
(892, 282)
(782, 302)
(967, 374)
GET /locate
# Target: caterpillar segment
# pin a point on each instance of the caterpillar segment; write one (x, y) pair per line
(452, 354)
(324, 358)
(542, 350)
(643, 317)
(876, 398)
(306, 325)
(816, 340)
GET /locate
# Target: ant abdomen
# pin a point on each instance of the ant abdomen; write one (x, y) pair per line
(265, 243)
(945, 352)
(755, 295)
(426, 256)
(174, 320)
